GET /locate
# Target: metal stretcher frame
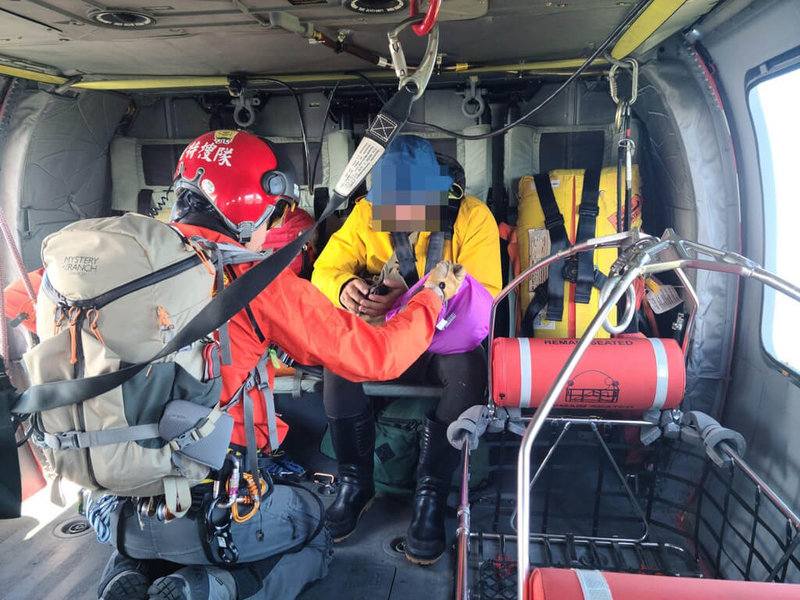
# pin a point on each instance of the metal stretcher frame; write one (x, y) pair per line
(641, 255)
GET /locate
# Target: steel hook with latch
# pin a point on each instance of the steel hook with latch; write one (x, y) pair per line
(417, 82)
(626, 63)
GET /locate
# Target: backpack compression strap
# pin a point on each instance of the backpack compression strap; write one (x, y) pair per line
(241, 292)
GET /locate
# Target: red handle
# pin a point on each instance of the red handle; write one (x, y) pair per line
(430, 17)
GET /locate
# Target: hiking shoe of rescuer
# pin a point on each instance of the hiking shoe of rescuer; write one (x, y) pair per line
(123, 579)
(194, 583)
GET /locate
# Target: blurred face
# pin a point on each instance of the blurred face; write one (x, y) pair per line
(408, 200)
(407, 217)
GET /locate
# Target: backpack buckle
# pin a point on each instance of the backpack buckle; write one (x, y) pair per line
(188, 437)
(68, 440)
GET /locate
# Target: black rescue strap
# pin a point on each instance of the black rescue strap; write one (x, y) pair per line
(554, 222)
(236, 296)
(405, 256)
(437, 239)
(587, 226)
(435, 251)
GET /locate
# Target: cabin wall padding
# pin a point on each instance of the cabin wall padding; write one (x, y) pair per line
(692, 163)
(56, 167)
(763, 402)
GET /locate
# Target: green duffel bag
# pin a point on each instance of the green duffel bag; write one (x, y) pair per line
(398, 431)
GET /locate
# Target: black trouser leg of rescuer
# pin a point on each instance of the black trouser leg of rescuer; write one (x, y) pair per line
(426, 540)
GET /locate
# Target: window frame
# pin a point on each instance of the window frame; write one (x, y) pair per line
(775, 67)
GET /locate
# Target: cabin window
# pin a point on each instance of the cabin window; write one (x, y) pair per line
(773, 106)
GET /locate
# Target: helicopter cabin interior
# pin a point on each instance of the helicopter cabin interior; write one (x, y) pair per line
(98, 100)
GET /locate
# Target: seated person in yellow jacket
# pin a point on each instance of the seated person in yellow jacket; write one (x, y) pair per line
(408, 206)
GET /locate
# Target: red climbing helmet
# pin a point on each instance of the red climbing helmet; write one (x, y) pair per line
(236, 172)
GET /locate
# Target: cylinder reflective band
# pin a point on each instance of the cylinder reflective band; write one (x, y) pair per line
(593, 585)
(565, 584)
(625, 373)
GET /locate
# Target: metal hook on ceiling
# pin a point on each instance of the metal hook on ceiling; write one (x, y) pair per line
(417, 82)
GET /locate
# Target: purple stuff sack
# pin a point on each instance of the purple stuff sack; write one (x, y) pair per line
(463, 322)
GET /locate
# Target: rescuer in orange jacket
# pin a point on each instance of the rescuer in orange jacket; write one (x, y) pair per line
(229, 189)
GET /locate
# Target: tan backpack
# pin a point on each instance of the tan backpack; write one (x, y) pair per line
(114, 293)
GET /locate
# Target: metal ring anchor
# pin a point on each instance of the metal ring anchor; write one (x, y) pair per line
(473, 97)
(419, 80)
(630, 306)
(243, 112)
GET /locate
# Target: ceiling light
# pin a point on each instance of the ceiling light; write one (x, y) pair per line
(122, 18)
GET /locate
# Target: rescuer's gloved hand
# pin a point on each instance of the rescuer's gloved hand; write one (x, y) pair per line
(446, 277)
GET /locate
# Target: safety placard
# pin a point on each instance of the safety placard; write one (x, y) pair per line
(663, 299)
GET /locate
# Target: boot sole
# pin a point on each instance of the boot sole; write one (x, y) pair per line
(423, 561)
(367, 506)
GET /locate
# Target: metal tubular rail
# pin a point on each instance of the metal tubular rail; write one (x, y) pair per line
(462, 576)
(646, 256)
(762, 485)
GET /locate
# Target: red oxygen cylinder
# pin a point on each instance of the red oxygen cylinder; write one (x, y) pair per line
(569, 584)
(626, 373)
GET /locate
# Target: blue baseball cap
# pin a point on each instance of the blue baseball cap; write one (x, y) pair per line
(408, 173)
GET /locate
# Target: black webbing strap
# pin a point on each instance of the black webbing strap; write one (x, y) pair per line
(251, 456)
(587, 226)
(405, 256)
(539, 301)
(559, 240)
(437, 239)
(435, 251)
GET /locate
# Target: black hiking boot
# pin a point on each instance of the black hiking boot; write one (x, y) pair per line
(354, 442)
(124, 579)
(425, 539)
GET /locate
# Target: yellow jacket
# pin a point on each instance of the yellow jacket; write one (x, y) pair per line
(355, 248)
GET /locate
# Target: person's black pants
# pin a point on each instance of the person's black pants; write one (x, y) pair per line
(462, 377)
